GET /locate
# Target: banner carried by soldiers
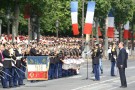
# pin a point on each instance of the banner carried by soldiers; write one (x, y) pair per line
(38, 67)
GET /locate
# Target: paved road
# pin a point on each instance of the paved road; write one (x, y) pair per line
(79, 82)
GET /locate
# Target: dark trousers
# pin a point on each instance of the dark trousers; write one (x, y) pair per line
(112, 68)
(23, 69)
(51, 68)
(60, 69)
(96, 71)
(53, 71)
(21, 74)
(64, 73)
(7, 81)
(56, 70)
(15, 75)
(1, 77)
(122, 77)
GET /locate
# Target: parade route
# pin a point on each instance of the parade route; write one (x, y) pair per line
(79, 82)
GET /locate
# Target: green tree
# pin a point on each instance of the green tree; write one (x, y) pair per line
(123, 12)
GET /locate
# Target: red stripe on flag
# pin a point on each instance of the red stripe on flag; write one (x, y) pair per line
(99, 32)
(126, 34)
(27, 11)
(87, 28)
(37, 75)
(110, 32)
(129, 35)
(134, 36)
(75, 29)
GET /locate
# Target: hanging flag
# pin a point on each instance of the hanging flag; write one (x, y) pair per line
(89, 17)
(99, 32)
(126, 30)
(27, 11)
(110, 31)
(74, 17)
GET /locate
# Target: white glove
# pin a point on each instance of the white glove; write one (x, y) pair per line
(1, 64)
(114, 57)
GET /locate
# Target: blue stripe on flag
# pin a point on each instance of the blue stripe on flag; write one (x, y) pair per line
(74, 6)
(91, 6)
(37, 59)
(110, 14)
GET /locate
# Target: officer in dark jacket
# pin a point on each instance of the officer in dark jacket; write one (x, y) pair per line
(122, 64)
(95, 58)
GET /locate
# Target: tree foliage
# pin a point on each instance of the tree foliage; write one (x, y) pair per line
(49, 11)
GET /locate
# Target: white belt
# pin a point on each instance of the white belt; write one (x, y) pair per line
(7, 58)
(18, 58)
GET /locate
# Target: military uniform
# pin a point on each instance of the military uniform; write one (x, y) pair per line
(19, 69)
(7, 69)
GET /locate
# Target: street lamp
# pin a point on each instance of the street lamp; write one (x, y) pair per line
(57, 25)
(0, 26)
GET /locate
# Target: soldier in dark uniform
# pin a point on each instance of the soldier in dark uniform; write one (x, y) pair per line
(7, 68)
(19, 69)
(51, 66)
(56, 60)
(33, 52)
(60, 56)
(95, 56)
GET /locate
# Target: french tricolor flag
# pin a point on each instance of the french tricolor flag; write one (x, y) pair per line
(89, 17)
(110, 31)
(74, 17)
(99, 31)
(126, 30)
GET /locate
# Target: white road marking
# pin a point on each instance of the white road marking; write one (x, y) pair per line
(78, 76)
(118, 87)
(100, 83)
(95, 84)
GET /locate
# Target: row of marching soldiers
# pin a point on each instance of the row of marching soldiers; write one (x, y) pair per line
(65, 62)
(12, 66)
(64, 58)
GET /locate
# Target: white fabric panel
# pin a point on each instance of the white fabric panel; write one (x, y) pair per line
(74, 17)
(89, 17)
(126, 26)
(37, 68)
(110, 21)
